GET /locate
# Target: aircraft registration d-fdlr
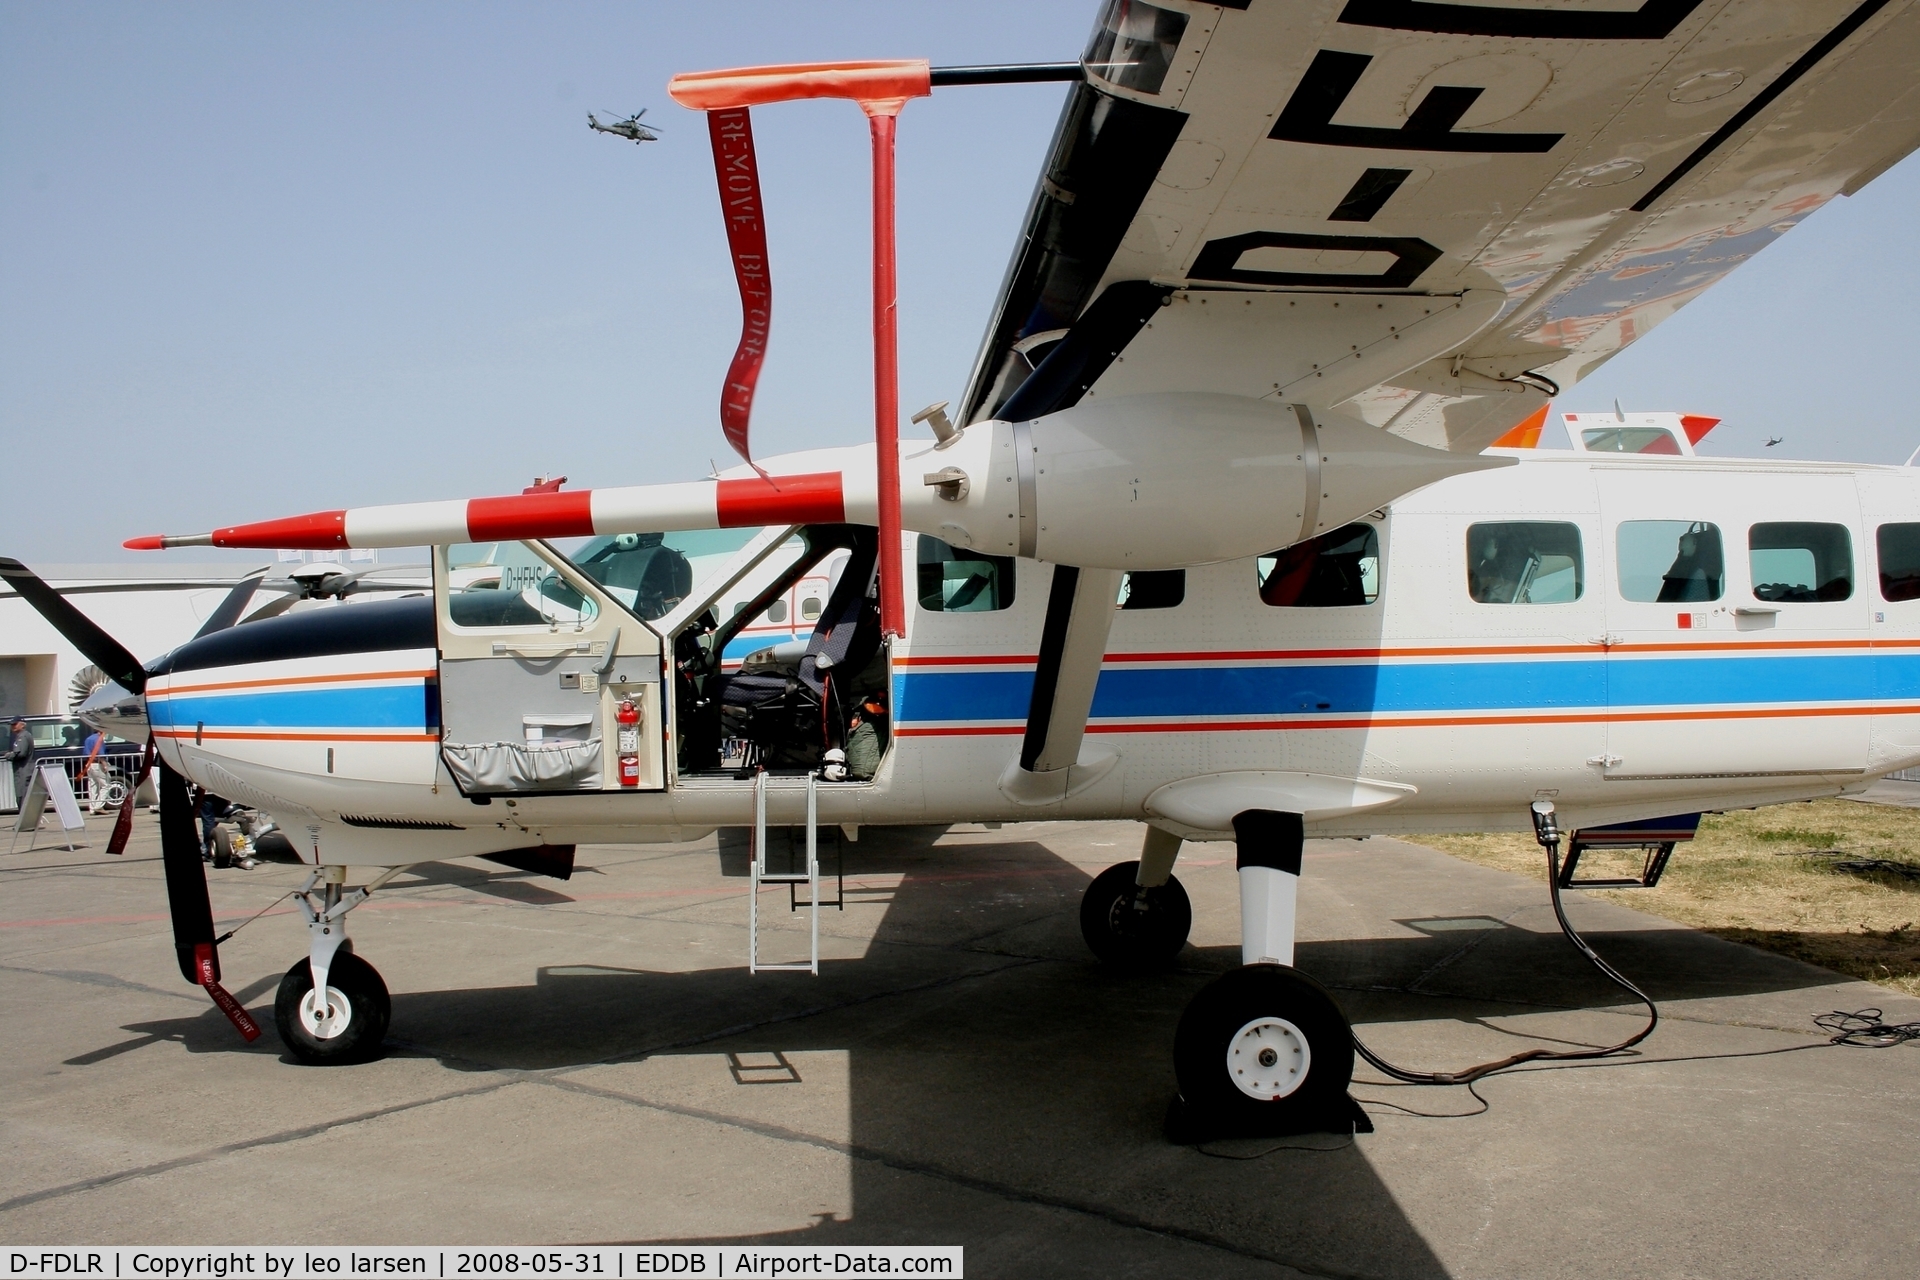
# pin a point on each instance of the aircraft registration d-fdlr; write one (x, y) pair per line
(1290, 272)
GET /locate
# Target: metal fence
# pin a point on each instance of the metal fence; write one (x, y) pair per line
(120, 768)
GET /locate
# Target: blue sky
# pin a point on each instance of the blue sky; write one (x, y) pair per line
(272, 258)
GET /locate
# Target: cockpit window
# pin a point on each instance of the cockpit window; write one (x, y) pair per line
(957, 581)
(511, 585)
(1338, 568)
(649, 573)
(639, 570)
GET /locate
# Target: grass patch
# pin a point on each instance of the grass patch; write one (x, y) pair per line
(1755, 876)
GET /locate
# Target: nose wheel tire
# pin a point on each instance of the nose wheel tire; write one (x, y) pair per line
(1130, 928)
(348, 1026)
(1264, 1047)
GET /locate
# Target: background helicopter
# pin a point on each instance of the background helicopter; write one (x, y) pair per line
(628, 127)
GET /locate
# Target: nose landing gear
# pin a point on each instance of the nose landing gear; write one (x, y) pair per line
(333, 1006)
(347, 1026)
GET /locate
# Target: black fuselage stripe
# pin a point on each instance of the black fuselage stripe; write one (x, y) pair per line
(1764, 99)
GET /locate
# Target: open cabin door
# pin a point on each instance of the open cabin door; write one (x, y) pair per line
(536, 662)
(778, 661)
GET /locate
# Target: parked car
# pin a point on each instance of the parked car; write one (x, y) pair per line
(63, 739)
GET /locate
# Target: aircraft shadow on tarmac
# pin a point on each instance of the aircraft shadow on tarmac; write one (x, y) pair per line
(987, 1049)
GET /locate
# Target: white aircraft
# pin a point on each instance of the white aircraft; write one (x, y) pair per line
(1208, 394)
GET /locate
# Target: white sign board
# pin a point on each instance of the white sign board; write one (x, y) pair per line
(49, 783)
(32, 804)
(60, 788)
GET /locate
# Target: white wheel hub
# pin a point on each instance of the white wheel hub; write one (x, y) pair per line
(329, 1022)
(1268, 1059)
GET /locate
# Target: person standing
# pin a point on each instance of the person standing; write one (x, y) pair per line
(95, 770)
(19, 754)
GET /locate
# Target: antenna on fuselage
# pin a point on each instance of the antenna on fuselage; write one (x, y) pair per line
(1617, 414)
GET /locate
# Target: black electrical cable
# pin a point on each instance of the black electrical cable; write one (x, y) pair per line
(1549, 837)
(1863, 1029)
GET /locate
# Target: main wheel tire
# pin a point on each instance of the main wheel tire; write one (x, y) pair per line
(1264, 1047)
(223, 845)
(1131, 928)
(359, 1011)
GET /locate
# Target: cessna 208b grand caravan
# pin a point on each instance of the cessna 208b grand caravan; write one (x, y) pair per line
(1290, 270)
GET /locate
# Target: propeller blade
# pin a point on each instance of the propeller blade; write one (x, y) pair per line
(123, 823)
(80, 631)
(230, 609)
(187, 899)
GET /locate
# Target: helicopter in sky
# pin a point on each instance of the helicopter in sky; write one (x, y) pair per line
(628, 127)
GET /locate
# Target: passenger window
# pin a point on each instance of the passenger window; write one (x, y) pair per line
(777, 611)
(953, 581)
(810, 608)
(1899, 546)
(1800, 561)
(1156, 589)
(1525, 562)
(1338, 568)
(1670, 561)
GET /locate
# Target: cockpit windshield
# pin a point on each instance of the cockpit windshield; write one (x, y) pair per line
(649, 573)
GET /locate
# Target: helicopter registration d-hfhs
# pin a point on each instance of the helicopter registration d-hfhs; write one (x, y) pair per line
(1216, 545)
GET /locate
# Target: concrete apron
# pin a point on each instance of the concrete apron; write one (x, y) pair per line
(589, 1061)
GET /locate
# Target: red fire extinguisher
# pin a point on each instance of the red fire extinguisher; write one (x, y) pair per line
(629, 720)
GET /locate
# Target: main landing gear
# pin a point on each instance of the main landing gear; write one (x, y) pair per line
(332, 1006)
(1262, 1050)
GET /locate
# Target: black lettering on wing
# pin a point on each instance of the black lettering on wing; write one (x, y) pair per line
(1654, 20)
(1308, 115)
(1220, 259)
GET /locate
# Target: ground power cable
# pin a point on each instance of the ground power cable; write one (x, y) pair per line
(1548, 834)
(1862, 1028)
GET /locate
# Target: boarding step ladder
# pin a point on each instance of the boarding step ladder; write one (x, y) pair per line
(761, 874)
(1655, 838)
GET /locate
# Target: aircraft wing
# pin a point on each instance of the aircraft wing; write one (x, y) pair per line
(1431, 215)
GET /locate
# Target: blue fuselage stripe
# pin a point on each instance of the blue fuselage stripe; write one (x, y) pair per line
(1127, 693)
(381, 707)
